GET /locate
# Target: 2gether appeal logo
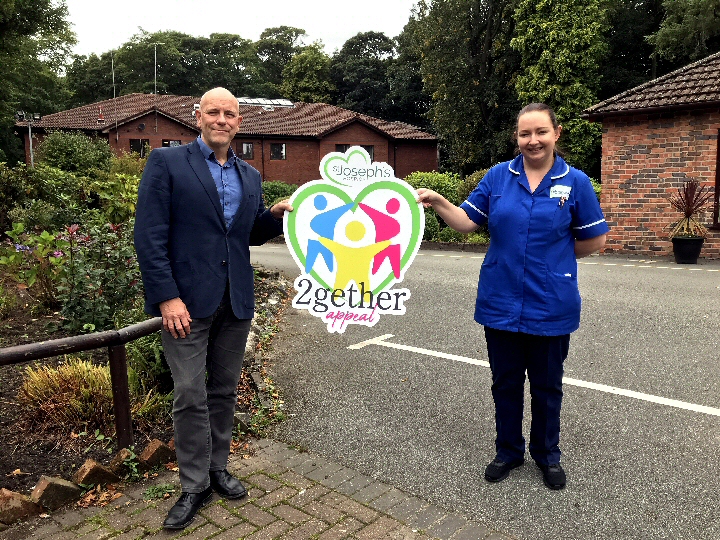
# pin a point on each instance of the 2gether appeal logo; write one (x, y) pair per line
(353, 235)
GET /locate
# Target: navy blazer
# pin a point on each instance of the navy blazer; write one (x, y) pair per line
(183, 246)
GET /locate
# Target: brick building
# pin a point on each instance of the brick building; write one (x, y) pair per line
(283, 140)
(654, 137)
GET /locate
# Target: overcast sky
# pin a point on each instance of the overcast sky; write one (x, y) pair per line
(102, 26)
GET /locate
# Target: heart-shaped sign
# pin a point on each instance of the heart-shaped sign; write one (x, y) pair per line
(353, 235)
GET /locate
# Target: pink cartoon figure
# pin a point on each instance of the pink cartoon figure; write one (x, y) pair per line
(386, 228)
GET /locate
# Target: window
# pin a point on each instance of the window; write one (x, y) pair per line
(277, 151)
(139, 146)
(369, 148)
(171, 142)
(247, 150)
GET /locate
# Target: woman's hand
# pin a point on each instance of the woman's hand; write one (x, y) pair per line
(427, 196)
(453, 216)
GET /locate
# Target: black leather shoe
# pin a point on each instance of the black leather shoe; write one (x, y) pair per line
(498, 470)
(226, 485)
(183, 512)
(553, 475)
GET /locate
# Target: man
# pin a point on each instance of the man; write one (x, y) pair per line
(199, 209)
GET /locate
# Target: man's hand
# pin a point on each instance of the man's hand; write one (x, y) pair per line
(175, 317)
(278, 210)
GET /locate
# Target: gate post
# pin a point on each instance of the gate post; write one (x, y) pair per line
(121, 396)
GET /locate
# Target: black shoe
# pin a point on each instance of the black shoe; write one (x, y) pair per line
(553, 475)
(182, 514)
(226, 485)
(498, 470)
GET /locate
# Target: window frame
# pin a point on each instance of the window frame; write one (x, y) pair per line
(284, 152)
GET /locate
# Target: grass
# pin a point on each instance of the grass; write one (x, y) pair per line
(79, 393)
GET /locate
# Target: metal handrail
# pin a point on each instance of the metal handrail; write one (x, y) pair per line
(115, 341)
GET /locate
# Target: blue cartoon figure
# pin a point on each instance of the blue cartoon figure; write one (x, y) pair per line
(324, 226)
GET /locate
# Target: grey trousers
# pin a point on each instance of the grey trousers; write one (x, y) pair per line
(205, 367)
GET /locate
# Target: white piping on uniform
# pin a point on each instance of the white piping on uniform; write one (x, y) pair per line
(471, 205)
(590, 224)
(567, 170)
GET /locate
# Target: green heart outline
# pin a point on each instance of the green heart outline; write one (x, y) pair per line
(327, 188)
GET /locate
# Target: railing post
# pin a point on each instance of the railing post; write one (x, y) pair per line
(121, 395)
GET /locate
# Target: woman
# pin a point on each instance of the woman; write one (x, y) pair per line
(542, 215)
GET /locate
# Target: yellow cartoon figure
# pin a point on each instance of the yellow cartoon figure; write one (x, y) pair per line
(353, 263)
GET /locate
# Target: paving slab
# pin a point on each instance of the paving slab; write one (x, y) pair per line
(292, 496)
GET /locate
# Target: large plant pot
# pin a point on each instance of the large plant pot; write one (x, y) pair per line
(687, 249)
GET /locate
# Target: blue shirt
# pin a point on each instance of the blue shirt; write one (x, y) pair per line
(528, 281)
(227, 180)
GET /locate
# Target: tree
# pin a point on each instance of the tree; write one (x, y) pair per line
(275, 48)
(629, 61)
(359, 72)
(468, 69)
(689, 31)
(562, 47)
(35, 39)
(407, 100)
(307, 76)
(90, 79)
(186, 65)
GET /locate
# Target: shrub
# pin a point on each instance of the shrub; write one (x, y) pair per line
(450, 235)
(145, 355)
(36, 262)
(481, 236)
(597, 187)
(118, 195)
(75, 152)
(101, 275)
(432, 226)
(8, 301)
(469, 183)
(79, 393)
(446, 184)
(274, 192)
(40, 198)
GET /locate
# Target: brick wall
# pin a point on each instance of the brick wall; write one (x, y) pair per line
(303, 155)
(645, 158)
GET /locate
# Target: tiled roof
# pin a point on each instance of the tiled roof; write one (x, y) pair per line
(697, 84)
(302, 120)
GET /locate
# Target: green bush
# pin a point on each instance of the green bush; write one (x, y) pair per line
(144, 355)
(480, 236)
(432, 226)
(75, 152)
(274, 192)
(446, 184)
(449, 234)
(40, 198)
(469, 183)
(8, 301)
(101, 275)
(597, 187)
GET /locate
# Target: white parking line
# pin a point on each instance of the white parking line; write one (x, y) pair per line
(382, 342)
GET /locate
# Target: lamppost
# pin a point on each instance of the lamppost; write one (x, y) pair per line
(156, 43)
(30, 117)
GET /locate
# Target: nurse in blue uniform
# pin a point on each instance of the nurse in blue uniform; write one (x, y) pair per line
(542, 215)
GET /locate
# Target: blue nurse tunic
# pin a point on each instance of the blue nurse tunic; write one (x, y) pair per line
(528, 280)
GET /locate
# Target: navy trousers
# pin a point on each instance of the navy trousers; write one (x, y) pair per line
(511, 355)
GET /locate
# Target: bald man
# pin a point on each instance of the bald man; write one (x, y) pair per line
(199, 209)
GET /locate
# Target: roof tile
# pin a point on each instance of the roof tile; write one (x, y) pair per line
(302, 120)
(694, 84)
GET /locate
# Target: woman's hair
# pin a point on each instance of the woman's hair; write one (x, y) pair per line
(538, 107)
(542, 108)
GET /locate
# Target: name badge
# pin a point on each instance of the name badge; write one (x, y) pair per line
(560, 192)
